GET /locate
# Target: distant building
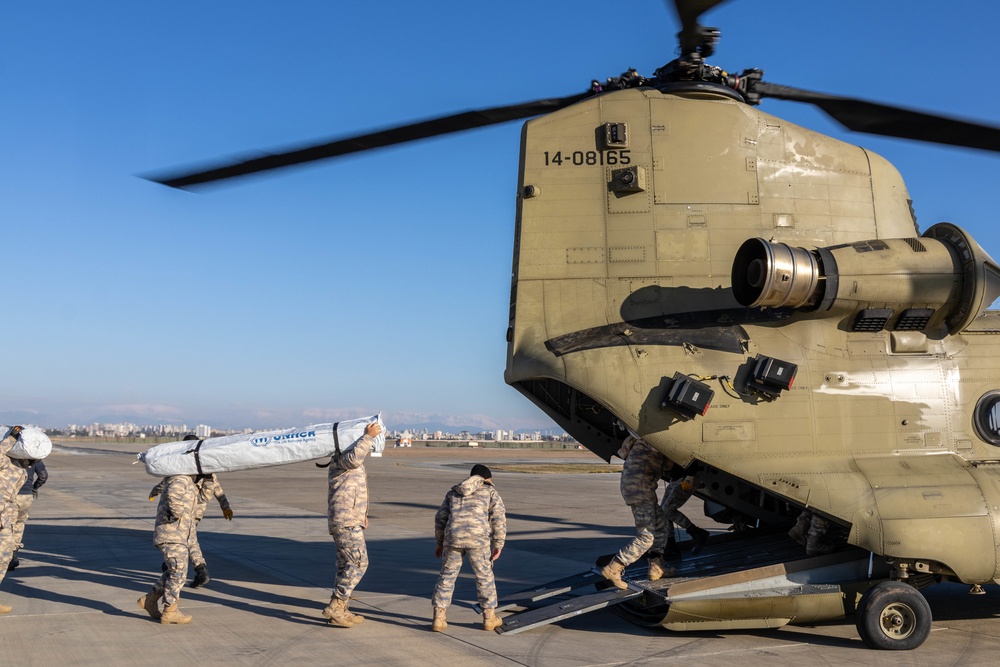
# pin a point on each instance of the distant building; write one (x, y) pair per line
(203, 431)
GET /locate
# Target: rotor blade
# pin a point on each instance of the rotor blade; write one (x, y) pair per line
(458, 122)
(874, 118)
(689, 11)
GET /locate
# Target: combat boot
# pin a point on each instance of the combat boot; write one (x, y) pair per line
(173, 616)
(14, 562)
(698, 538)
(613, 572)
(490, 620)
(799, 530)
(149, 603)
(201, 577)
(5, 609)
(658, 569)
(355, 618)
(337, 614)
(818, 545)
(439, 624)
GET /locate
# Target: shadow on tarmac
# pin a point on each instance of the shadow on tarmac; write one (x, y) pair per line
(249, 571)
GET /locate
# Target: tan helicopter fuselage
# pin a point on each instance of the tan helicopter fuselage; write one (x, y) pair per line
(632, 208)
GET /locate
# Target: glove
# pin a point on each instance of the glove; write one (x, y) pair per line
(228, 513)
(34, 493)
(15, 431)
(687, 485)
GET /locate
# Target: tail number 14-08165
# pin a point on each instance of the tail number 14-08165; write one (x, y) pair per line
(588, 158)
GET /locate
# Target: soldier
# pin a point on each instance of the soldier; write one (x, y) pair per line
(208, 488)
(36, 476)
(172, 534)
(11, 479)
(471, 521)
(644, 467)
(679, 490)
(347, 500)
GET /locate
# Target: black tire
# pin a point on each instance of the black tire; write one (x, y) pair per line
(893, 616)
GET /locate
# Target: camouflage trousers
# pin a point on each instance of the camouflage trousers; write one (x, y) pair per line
(482, 567)
(172, 581)
(673, 499)
(7, 543)
(194, 549)
(352, 560)
(24, 501)
(650, 530)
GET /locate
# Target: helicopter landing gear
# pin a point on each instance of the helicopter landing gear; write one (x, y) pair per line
(893, 616)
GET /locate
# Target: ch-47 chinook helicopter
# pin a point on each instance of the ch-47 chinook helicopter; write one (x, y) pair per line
(754, 298)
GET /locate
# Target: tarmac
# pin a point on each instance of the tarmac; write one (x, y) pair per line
(89, 555)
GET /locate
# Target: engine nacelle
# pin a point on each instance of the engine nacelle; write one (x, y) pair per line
(943, 277)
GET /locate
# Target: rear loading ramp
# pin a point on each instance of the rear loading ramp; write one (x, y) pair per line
(529, 597)
(750, 583)
(567, 608)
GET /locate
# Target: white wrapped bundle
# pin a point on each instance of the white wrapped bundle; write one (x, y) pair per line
(31, 444)
(258, 450)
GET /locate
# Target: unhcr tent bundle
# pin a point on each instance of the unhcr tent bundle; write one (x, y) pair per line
(258, 450)
(31, 444)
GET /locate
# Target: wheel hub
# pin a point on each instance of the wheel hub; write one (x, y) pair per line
(898, 621)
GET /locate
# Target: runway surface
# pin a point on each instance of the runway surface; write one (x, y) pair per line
(89, 556)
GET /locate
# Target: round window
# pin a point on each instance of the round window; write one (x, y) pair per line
(988, 417)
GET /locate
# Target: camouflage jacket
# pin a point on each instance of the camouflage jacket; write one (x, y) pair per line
(175, 511)
(644, 466)
(11, 479)
(347, 497)
(472, 516)
(208, 488)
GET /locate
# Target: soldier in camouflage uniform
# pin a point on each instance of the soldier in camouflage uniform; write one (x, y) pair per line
(208, 488)
(36, 476)
(347, 500)
(679, 490)
(172, 534)
(644, 467)
(471, 521)
(11, 479)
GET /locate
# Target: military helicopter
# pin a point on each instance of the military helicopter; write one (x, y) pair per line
(754, 298)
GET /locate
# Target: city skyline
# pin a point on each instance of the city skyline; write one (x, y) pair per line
(381, 281)
(421, 432)
(394, 421)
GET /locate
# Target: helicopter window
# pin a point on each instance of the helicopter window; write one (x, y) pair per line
(988, 417)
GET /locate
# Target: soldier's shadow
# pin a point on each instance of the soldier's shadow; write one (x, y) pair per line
(108, 567)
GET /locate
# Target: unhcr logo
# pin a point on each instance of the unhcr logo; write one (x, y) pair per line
(260, 442)
(295, 436)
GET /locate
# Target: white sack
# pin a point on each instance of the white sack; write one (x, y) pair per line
(257, 450)
(31, 444)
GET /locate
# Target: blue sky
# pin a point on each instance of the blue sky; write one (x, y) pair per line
(376, 282)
